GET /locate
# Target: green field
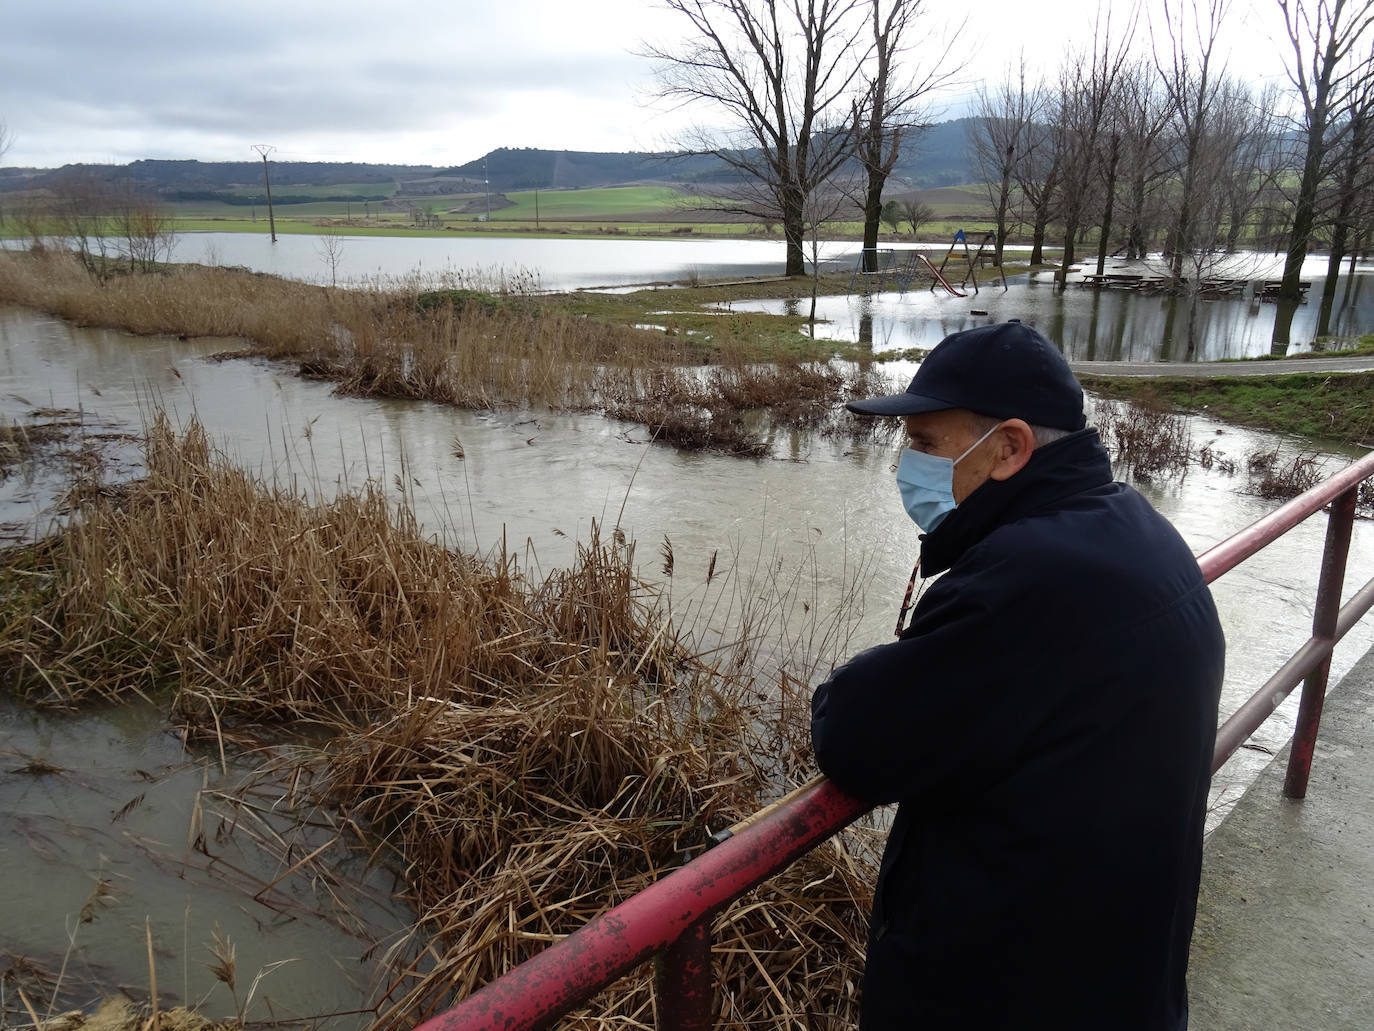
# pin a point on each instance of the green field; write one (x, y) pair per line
(658, 202)
(652, 211)
(387, 188)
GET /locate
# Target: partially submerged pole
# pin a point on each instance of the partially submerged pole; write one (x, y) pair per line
(264, 149)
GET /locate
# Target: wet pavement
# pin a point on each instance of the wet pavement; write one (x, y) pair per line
(1285, 926)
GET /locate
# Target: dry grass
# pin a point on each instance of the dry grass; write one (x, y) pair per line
(1271, 477)
(21, 441)
(527, 751)
(473, 350)
(1146, 439)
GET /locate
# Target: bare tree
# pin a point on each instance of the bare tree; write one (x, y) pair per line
(6, 141)
(81, 212)
(823, 204)
(1144, 113)
(1110, 153)
(1001, 138)
(1353, 184)
(917, 214)
(144, 226)
(1326, 66)
(1194, 86)
(1087, 88)
(783, 72)
(887, 113)
(1038, 173)
(330, 247)
(1254, 168)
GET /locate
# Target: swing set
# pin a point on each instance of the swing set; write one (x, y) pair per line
(885, 266)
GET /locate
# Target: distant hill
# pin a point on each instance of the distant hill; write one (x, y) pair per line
(527, 169)
(161, 177)
(937, 156)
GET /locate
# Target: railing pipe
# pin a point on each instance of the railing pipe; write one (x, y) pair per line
(566, 974)
(1324, 616)
(1258, 707)
(684, 984)
(1235, 549)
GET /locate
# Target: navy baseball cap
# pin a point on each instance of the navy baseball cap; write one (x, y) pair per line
(1007, 371)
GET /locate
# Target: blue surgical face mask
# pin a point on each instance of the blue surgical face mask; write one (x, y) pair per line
(927, 484)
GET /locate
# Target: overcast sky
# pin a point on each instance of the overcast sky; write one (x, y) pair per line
(410, 81)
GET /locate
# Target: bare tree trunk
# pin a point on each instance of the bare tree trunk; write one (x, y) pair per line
(873, 211)
(1113, 158)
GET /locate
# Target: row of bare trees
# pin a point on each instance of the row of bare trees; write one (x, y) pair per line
(1170, 150)
(1166, 149)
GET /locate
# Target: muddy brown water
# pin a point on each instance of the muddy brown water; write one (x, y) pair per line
(792, 531)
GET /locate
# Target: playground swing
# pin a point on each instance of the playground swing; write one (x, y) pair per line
(960, 238)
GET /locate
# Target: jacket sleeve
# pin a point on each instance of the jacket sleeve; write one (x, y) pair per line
(940, 712)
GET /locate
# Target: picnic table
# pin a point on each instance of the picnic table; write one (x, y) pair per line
(1122, 279)
(1218, 287)
(1271, 287)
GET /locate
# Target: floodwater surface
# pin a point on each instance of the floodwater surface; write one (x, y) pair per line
(1088, 324)
(814, 532)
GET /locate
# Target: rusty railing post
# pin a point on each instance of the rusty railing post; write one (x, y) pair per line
(1324, 615)
(684, 985)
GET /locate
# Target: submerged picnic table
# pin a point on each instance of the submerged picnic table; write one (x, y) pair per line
(1125, 281)
(1270, 288)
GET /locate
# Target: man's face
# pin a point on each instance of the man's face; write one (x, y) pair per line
(949, 434)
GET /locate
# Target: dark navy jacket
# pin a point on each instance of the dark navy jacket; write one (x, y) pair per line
(1046, 723)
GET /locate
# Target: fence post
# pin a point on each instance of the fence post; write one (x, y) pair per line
(684, 985)
(1325, 612)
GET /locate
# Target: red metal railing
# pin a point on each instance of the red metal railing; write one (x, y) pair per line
(670, 921)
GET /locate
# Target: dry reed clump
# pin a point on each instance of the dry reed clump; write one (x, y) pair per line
(1271, 477)
(739, 408)
(1146, 439)
(528, 752)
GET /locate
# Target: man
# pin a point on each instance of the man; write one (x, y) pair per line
(1045, 723)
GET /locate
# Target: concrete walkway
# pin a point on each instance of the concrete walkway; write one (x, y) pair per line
(1285, 925)
(1202, 370)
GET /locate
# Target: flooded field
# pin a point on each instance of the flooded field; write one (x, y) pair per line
(1089, 324)
(800, 526)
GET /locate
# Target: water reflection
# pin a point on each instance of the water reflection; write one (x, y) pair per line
(1100, 324)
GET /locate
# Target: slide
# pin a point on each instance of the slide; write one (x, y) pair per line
(941, 279)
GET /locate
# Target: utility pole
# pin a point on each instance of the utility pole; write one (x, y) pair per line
(536, 209)
(264, 149)
(486, 185)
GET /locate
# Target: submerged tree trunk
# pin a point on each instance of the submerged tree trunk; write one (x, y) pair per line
(1105, 241)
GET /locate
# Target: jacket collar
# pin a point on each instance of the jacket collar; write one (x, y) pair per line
(1055, 471)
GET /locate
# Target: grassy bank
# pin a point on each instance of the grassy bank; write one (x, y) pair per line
(1336, 408)
(698, 381)
(525, 751)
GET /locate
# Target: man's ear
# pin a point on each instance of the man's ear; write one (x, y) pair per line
(1014, 444)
